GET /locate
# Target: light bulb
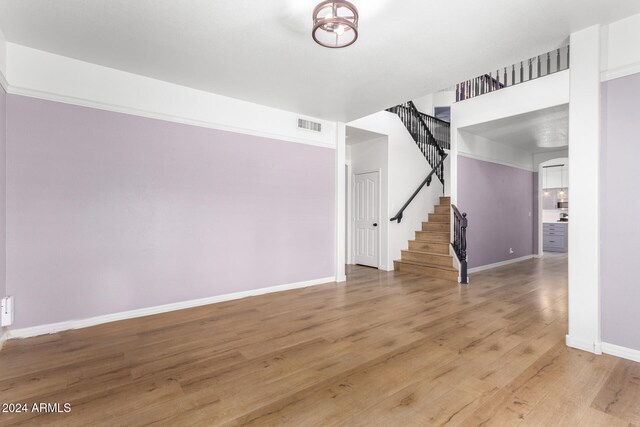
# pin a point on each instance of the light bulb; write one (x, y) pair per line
(546, 193)
(339, 30)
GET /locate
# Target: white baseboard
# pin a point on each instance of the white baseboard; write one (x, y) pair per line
(619, 351)
(585, 345)
(498, 264)
(147, 311)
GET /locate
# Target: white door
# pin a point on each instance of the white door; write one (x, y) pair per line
(366, 198)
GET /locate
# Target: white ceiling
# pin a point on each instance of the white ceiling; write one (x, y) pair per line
(534, 132)
(262, 51)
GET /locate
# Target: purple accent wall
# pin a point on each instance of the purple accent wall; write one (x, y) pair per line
(109, 212)
(498, 200)
(619, 210)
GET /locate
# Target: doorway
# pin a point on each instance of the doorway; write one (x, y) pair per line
(366, 219)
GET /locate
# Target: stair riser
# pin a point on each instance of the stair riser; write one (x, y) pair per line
(445, 260)
(445, 200)
(425, 236)
(443, 210)
(426, 271)
(439, 218)
(440, 227)
(436, 248)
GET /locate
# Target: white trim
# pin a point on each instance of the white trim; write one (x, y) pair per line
(147, 311)
(4, 83)
(4, 337)
(499, 162)
(498, 264)
(31, 93)
(619, 351)
(585, 345)
(616, 73)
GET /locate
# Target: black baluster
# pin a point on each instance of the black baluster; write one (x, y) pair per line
(539, 65)
(505, 76)
(568, 56)
(558, 61)
(513, 74)
(548, 63)
(521, 72)
(530, 68)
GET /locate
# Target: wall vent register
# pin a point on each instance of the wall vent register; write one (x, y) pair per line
(309, 125)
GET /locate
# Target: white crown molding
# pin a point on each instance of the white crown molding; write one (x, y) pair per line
(147, 311)
(499, 264)
(616, 73)
(499, 162)
(619, 351)
(32, 93)
(585, 345)
(4, 83)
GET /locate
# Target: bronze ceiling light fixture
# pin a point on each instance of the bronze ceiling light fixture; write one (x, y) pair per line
(335, 24)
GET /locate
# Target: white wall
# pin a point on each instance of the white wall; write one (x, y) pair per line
(533, 95)
(584, 227)
(478, 147)
(3, 60)
(373, 156)
(45, 75)
(427, 103)
(407, 168)
(620, 54)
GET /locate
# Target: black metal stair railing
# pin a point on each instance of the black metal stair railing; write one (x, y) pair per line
(420, 125)
(459, 243)
(524, 71)
(432, 136)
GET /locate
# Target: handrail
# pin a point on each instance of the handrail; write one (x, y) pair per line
(415, 111)
(427, 182)
(436, 142)
(459, 243)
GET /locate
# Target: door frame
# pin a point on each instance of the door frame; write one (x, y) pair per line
(351, 225)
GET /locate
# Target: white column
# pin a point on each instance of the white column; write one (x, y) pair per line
(584, 161)
(341, 143)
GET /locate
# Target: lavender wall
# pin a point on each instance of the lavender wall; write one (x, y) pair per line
(109, 212)
(499, 202)
(619, 210)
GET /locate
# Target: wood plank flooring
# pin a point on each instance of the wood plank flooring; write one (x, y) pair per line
(386, 349)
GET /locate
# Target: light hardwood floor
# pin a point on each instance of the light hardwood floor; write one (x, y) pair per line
(386, 349)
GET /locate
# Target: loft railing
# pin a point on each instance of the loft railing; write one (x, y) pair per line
(524, 71)
(426, 182)
(431, 145)
(459, 243)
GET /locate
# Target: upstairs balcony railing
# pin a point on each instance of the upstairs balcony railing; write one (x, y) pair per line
(524, 71)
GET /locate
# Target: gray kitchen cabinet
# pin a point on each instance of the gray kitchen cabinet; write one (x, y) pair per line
(555, 236)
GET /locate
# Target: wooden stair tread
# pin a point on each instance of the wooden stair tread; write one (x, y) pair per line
(426, 253)
(422, 264)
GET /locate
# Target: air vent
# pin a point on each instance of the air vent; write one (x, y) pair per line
(309, 125)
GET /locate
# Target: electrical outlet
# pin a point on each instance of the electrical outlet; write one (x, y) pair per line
(6, 311)
(510, 250)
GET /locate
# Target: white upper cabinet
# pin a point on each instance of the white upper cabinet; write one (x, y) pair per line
(555, 177)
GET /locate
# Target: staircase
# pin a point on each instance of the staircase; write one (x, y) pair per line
(428, 254)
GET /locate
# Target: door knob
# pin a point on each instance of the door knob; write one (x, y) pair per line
(375, 224)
